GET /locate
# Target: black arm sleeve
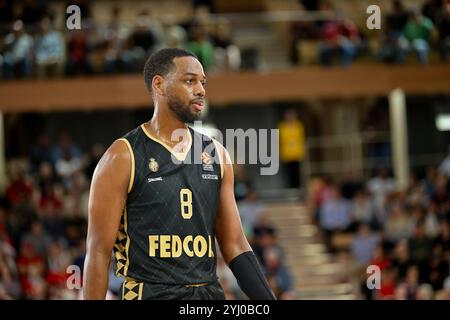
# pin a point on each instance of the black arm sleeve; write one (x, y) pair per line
(249, 275)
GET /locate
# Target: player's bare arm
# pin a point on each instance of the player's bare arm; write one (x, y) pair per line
(107, 199)
(231, 237)
(232, 241)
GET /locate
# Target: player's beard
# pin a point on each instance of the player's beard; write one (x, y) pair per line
(182, 110)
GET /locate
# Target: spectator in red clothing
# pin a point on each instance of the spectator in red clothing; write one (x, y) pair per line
(30, 265)
(20, 189)
(387, 288)
(338, 38)
(78, 59)
(379, 259)
(50, 201)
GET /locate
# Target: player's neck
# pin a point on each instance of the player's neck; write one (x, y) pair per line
(162, 125)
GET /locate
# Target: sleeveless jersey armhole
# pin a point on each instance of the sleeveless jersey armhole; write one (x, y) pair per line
(130, 185)
(219, 152)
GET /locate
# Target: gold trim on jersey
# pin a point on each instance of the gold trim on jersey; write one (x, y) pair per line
(219, 152)
(196, 285)
(130, 184)
(181, 156)
(132, 289)
(122, 246)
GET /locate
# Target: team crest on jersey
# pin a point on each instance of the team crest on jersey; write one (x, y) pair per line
(153, 165)
(207, 161)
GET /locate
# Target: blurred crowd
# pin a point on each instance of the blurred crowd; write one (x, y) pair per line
(404, 232)
(43, 220)
(405, 30)
(33, 44)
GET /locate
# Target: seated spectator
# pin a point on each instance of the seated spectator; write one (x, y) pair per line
(277, 272)
(116, 41)
(379, 258)
(40, 152)
(20, 190)
(200, 44)
(363, 245)
(335, 212)
(50, 50)
(79, 48)
(387, 288)
(401, 260)
(66, 167)
(395, 23)
(416, 37)
(399, 225)
(58, 259)
(37, 238)
(420, 245)
(411, 282)
(18, 53)
(65, 147)
(250, 210)
(363, 210)
(264, 238)
(380, 187)
(334, 215)
(340, 39)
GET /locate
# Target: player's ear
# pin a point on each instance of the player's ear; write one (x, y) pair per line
(158, 85)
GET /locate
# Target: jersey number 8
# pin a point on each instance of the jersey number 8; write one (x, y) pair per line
(186, 203)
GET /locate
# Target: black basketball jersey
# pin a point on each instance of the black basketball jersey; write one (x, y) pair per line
(167, 229)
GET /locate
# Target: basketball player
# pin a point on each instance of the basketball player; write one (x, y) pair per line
(161, 213)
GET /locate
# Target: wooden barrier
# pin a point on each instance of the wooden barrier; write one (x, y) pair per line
(128, 91)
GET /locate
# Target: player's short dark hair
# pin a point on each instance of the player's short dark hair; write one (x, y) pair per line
(161, 63)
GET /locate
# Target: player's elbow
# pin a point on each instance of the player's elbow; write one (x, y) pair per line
(235, 248)
(98, 247)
